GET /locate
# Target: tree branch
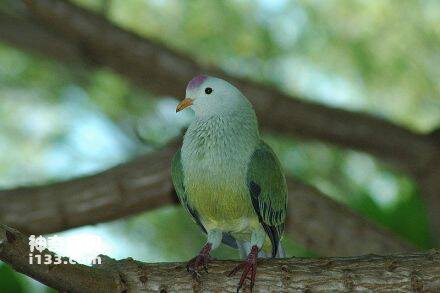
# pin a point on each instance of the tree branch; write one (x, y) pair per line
(314, 220)
(142, 184)
(14, 250)
(332, 229)
(414, 272)
(22, 32)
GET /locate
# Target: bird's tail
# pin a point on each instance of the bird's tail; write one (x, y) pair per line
(245, 248)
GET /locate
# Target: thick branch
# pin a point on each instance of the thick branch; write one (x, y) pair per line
(32, 37)
(14, 250)
(315, 221)
(142, 184)
(166, 72)
(331, 229)
(415, 272)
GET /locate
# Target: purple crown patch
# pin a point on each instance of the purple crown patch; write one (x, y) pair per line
(196, 81)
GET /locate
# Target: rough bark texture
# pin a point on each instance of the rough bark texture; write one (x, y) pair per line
(416, 272)
(14, 250)
(314, 220)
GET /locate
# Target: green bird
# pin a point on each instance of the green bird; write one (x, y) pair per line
(227, 178)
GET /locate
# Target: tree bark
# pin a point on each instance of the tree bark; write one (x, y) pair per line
(314, 220)
(331, 229)
(140, 185)
(14, 250)
(26, 34)
(416, 272)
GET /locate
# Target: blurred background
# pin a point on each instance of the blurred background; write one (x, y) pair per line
(379, 57)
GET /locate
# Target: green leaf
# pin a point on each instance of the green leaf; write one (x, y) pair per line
(9, 282)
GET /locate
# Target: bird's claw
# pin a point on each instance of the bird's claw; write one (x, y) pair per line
(248, 266)
(195, 274)
(200, 261)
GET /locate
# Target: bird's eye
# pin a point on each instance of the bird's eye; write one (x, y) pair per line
(208, 90)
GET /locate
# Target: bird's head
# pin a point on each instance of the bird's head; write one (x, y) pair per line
(208, 95)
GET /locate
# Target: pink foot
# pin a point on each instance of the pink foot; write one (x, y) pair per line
(249, 266)
(200, 261)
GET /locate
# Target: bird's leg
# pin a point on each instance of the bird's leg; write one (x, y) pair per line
(249, 267)
(201, 260)
(204, 256)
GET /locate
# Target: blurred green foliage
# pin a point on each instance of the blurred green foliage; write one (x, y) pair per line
(9, 281)
(374, 56)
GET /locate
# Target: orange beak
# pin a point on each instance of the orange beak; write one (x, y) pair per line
(184, 104)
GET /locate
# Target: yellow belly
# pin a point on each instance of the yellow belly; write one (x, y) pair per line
(221, 206)
(229, 209)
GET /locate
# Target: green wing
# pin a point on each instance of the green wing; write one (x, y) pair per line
(268, 191)
(177, 176)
